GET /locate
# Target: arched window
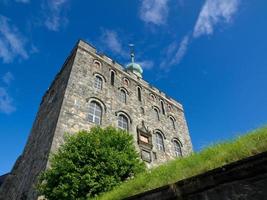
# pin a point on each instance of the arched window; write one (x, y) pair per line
(122, 96)
(123, 122)
(159, 142)
(97, 63)
(112, 77)
(139, 93)
(98, 83)
(126, 81)
(156, 114)
(162, 107)
(172, 122)
(95, 113)
(177, 148)
(152, 97)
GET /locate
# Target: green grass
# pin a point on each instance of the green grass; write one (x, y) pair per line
(212, 157)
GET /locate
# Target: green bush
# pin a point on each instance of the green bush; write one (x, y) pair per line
(90, 163)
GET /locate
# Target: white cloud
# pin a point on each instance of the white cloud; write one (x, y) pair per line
(154, 11)
(54, 11)
(174, 53)
(146, 64)
(12, 43)
(212, 13)
(6, 102)
(180, 52)
(111, 39)
(8, 78)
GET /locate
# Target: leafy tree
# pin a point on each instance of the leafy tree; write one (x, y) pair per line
(90, 163)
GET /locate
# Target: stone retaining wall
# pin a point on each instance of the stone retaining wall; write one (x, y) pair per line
(242, 180)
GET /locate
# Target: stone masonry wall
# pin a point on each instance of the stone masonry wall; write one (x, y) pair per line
(20, 183)
(80, 91)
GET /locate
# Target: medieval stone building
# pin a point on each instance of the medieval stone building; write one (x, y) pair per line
(92, 89)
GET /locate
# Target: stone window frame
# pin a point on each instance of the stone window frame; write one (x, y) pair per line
(125, 114)
(145, 159)
(144, 133)
(99, 102)
(88, 100)
(123, 122)
(152, 97)
(99, 77)
(156, 110)
(120, 90)
(126, 81)
(177, 151)
(159, 147)
(139, 93)
(162, 107)
(97, 62)
(173, 121)
(113, 74)
(95, 113)
(122, 96)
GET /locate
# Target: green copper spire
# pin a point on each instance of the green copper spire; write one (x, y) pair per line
(132, 52)
(134, 67)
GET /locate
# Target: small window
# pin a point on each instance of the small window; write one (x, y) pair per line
(95, 113)
(122, 96)
(177, 149)
(152, 97)
(123, 123)
(98, 83)
(172, 121)
(126, 81)
(112, 77)
(146, 155)
(156, 114)
(162, 107)
(139, 93)
(159, 142)
(97, 63)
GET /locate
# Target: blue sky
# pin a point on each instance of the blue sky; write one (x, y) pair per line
(210, 55)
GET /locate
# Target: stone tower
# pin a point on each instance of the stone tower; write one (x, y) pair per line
(92, 89)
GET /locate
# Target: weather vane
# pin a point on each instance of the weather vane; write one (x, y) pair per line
(132, 52)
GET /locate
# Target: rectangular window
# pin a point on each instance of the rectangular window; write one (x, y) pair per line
(146, 156)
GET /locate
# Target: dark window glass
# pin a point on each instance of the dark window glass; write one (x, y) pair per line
(112, 78)
(162, 107)
(139, 94)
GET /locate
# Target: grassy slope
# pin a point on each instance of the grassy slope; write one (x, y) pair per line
(209, 158)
